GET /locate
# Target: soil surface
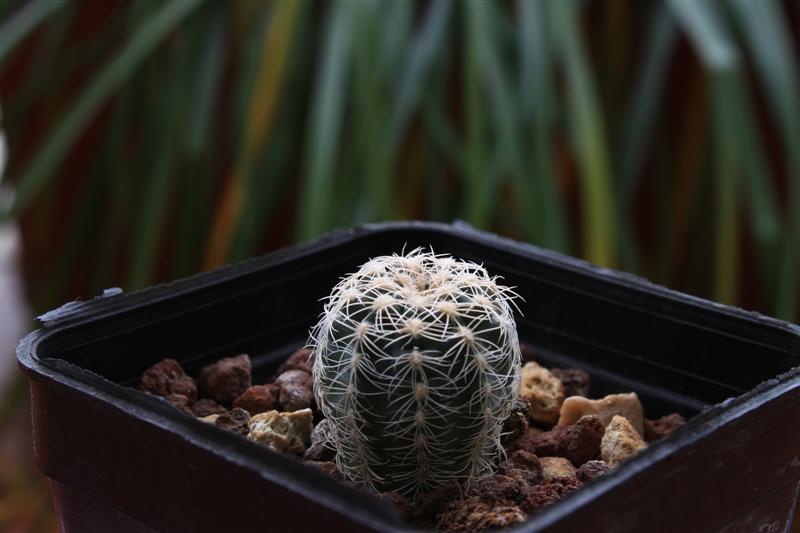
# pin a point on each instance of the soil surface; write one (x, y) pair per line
(556, 440)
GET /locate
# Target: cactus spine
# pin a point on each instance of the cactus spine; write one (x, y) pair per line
(417, 367)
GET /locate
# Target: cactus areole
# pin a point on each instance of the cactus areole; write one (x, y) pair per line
(417, 366)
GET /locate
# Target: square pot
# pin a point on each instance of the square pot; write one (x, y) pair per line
(121, 460)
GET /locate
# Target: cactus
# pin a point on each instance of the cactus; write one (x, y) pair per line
(417, 367)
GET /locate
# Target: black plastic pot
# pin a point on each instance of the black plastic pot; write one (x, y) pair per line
(120, 460)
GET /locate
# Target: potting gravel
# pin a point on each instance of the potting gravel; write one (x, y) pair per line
(555, 440)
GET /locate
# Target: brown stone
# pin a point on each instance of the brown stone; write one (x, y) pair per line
(209, 419)
(167, 377)
(527, 478)
(516, 425)
(296, 390)
(626, 405)
(320, 449)
(525, 460)
(579, 442)
(475, 515)
(499, 489)
(433, 503)
(575, 381)
(302, 359)
(549, 492)
(226, 379)
(258, 399)
(590, 470)
(181, 402)
(620, 441)
(543, 391)
(326, 466)
(234, 420)
(288, 432)
(554, 467)
(206, 406)
(655, 430)
(534, 431)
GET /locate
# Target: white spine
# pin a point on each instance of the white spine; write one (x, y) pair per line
(397, 342)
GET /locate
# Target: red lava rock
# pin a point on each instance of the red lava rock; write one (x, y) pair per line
(576, 382)
(528, 478)
(548, 492)
(259, 399)
(226, 379)
(319, 450)
(432, 503)
(658, 429)
(499, 489)
(327, 466)
(234, 420)
(181, 402)
(400, 503)
(578, 442)
(528, 353)
(206, 406)
(516, 425)
(302, 359)
(474, 514)
(296, 388)
(522, 442)
(526, 465)
(590, 470)
(167, 377)
(525, 460)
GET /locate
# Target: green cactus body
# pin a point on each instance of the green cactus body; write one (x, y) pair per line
(417, 367)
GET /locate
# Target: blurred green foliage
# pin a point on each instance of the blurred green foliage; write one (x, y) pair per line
(150, 140)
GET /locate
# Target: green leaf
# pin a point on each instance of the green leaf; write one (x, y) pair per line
(206, 85)
(480, 189)
(536, 102)
(394, 39)
(646, 102)
(587, 131)
(441, 134)
(738, 142)
(24, 21)
(759, 186)
(766, 30)
(67, 262)
(55, 60)
(263, 194)
(726, 192)
(158, 185)
(638, 125)
(209, 36)
(705, 29)
(371, 153)
(505, 119)
(324, 126)
(58, 142)
(425, 48)
(117, 209)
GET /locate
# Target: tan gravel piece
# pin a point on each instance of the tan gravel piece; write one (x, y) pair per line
(620, 441)
(626, 405)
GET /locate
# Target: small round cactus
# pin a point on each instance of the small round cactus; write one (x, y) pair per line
(417, 366)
